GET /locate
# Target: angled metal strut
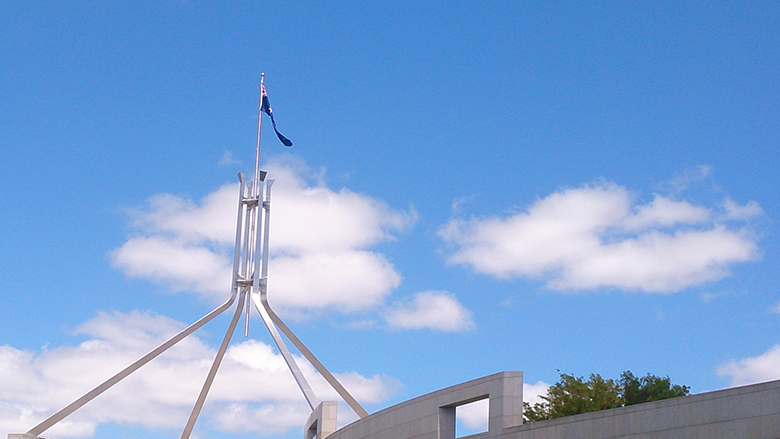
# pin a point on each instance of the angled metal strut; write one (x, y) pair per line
(92, 394)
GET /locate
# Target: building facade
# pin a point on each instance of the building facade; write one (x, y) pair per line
(749, 412)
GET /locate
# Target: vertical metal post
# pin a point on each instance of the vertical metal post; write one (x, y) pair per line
(257, 146)
(266, 233)
(237, 245)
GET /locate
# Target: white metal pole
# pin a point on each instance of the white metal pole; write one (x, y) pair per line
(340, 389)
(256, 192)
(214, 367)
(237, 246)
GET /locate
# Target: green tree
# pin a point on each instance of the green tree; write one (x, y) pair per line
(573, 395)
(648, 388)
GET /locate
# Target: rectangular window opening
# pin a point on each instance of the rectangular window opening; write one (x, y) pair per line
(472, 418)
(311, 433)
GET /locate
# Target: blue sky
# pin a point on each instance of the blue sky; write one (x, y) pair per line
(474, 187)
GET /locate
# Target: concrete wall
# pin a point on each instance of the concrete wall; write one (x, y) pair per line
(750, 412)
(432, 416)
(321, 422)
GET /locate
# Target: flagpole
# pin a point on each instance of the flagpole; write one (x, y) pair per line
(249, 284)
(256, 192)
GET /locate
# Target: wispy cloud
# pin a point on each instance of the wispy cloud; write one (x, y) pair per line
(689, 177)
(737, 212)
(598, 236)
(459, 202)
(228, 159)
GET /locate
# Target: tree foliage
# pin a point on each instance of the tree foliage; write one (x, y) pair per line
(648, 388)
(574, 395)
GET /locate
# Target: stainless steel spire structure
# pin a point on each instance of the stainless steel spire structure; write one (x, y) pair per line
(249, 286)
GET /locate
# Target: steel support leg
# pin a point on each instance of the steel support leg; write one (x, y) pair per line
(311, 399)
(213, 371)
(342, 391)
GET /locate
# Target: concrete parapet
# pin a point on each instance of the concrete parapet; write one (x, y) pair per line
(432, 416)
(322, 421)
(749, 412)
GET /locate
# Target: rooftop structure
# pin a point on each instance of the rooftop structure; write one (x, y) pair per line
(749, 412)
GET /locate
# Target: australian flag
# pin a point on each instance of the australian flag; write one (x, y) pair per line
(266, 107)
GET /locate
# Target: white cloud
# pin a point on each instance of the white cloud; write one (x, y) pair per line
(252, 379)
(349, 280)
(775, 308)
(737, 212)
(180, 265)
(687, 178)
(244, 418)
(228, 159)
(320, 244)
(598, 236)
(532, 393)
(458, 203)
(765, 367)
(436, 310)
(663, 212)
(474, 416)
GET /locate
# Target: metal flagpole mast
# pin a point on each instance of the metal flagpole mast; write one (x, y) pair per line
(249, 285)
(260, 299)
(262, 207)
(259, 179)
(257, 146)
